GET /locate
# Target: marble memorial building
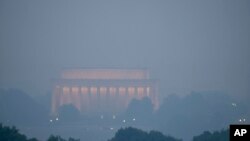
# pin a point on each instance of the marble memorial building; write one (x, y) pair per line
(102, 91)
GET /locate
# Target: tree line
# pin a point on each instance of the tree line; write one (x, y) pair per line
(12, 134)
(123, 134)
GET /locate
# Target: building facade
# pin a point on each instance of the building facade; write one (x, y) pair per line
(102, 91)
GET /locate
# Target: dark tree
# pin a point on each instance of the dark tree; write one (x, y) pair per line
(55, 138)
(215, 136)
(69, 113)
(141, 110)
(18, 108)
(12, 134)
(133, 134)
(58, 138)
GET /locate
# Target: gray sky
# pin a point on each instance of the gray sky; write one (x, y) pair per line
(188, 45)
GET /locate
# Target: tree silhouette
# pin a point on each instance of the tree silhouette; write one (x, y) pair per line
(12, 134)
(58, 138)
(69, 113)
(215, 136)
(133, 134)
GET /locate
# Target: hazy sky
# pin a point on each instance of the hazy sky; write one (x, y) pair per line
(188, 45)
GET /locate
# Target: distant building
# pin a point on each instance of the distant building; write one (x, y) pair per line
(102, 91)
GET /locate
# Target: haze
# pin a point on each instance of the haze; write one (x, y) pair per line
(187, 45)
(198, 50)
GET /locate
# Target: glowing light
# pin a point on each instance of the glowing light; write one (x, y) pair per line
(66, 90)
(75, 90)
(133, 119)
(103, 90)
(124, 121)
(148, 91)
(93, 90)
(140, 91)
(84, 90)
(131, 91)
(122, 91)
(57, 118)
(112, 90)
(234, 104)
(51, 120)
(96, 91)
(111, 128)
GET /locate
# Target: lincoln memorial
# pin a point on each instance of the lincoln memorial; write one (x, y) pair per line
(102, 91)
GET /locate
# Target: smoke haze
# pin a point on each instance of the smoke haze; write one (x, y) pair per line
(187, 45)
